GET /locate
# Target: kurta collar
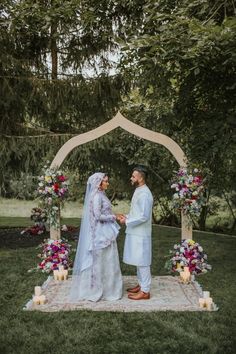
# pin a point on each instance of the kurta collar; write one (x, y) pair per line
(144, 185)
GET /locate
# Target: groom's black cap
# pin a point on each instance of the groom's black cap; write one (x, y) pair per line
(142, 169)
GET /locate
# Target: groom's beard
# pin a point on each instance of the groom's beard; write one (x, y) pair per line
(135, 184)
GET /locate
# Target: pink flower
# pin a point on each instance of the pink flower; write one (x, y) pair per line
(61, 178)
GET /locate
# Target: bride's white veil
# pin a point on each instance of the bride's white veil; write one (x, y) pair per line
(83, 258)
(84, 255)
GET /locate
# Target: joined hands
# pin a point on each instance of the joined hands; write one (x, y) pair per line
(121, 218)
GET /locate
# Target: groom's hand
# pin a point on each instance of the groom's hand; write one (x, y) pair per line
(122, 219)
(118, 217)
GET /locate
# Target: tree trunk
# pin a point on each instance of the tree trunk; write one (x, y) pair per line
(204, 212)
(202, 219)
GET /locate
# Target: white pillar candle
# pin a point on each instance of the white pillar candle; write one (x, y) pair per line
(36, 300)
(65, 274)
(37, 290)
(61, 268)
(202, 302)
(209, 303)
(206, 294)
(60, 276)
(42, 299)
(55, 274)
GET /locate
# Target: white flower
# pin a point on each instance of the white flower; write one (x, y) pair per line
(64, 228)
(200, 249)
(195, 170)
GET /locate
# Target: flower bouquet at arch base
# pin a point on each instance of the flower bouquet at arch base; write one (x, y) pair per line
(187, 253)
(53, 254)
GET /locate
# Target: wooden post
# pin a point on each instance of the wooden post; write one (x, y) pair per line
(186, 230)
(55, 233)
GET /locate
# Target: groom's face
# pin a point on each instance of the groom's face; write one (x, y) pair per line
(135, 178)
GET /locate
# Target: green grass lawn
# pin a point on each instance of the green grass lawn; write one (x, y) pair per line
(101, 332)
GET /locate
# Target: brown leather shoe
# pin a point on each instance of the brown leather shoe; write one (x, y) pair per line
(134, 290)
(141, 295)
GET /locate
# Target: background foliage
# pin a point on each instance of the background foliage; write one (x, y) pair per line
(66, 67)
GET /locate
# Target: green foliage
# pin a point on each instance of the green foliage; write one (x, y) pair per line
(183, 57)
(176, 75)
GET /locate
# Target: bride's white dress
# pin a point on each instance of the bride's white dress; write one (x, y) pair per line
(102, 279)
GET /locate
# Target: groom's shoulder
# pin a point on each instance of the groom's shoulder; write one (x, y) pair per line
(146, 190)
(149, 191)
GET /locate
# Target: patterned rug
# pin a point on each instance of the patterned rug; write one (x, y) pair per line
(167, 293)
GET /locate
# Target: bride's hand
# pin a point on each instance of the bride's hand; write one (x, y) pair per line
(122, 219)
(118, 216)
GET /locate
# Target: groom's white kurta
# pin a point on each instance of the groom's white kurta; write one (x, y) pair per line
(138, 246)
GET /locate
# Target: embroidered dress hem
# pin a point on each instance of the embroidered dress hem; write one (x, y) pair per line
(101, 281)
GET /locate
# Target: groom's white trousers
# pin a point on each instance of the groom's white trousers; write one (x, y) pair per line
(144, 278)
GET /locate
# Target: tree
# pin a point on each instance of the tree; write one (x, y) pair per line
(183, 56)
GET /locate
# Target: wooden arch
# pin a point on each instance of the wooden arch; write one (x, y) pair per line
(120, 121)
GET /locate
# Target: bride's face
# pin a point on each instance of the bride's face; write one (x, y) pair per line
(104, 185)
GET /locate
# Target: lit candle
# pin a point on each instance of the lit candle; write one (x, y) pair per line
(206, 294)
(36, 300)
(55, 274)
(42, 299)
(202, 302)
(186, 278)
(209, 303)
(37, 290)
(65, 274)
(61, 268)
(186, 269)
(60, 276)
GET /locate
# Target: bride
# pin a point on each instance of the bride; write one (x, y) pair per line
(96, 272)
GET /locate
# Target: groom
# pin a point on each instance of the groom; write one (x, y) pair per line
(137, 249)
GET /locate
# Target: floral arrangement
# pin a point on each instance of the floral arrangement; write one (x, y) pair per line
(53, 188)
(188, 191)
(188, 254)
(39, 217)
(54, 253)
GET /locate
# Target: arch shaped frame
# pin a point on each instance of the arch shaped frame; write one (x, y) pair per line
(120, 121)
